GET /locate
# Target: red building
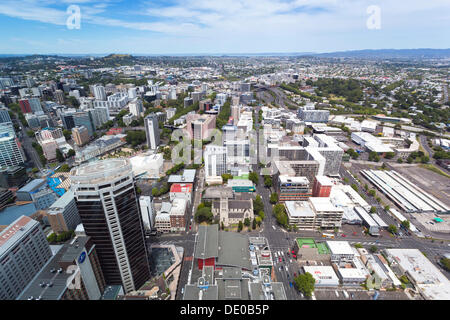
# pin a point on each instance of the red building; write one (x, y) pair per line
(322, 186)
(25, 106)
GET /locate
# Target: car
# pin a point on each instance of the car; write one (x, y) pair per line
(190, 227)
(295, 257)
(288, 254)
(279, 259)
(295, 274)
(343, 235)
(354, 233)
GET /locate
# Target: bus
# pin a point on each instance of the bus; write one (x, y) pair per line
(328, 235)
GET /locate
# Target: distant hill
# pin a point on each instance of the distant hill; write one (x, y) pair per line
(390, 54)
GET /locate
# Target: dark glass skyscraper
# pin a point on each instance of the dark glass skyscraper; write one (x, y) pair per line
(108, 207)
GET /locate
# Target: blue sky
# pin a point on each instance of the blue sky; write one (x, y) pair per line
(225, 26)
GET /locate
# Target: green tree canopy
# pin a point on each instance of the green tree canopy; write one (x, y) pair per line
(203, 215)
(305, 283)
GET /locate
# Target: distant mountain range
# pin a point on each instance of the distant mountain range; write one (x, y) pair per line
(423, 53)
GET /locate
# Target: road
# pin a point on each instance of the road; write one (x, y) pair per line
(27, 144)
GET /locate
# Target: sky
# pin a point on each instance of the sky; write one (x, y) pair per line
(225, 26)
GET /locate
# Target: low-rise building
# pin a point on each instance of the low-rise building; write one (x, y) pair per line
(181, 191)
(324, 275)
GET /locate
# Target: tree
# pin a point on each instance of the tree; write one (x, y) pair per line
(274, 198)
(203, 215)
(399, 160)
(247, 222)
(253, 176)
(64, 168)
(355, 187)
(373, 156)
(258, 204)
(59, 156)
(373, 249)
(240, 226)
(392, 229)
(35, 170)
(267, 181)
(373, 209)
(406, 224)
(372, 193)
(52, 238)
(70, 153)
(279, 212)
(305, 283)
(261, 214)
(67, 134)
(135, 138)
(258, 220)
(425, 159)
(445, 263)
(226, 177)
(389, 155)
(353, 153)
(386, 208)
(254, 224)
(358, 245)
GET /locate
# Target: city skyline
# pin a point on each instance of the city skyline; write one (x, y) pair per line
(189, 27)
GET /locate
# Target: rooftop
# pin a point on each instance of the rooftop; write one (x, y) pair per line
(324, 205)
(207, 242)
(14, 232)
(340, 247)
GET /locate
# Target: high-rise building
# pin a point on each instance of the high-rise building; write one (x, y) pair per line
(200, 127)
(67, 120)
(136, 108)
(132, 93)
(8, 127)
(73, 273)
(24, 250)
(235, 113)
(322, 186)
(98, 116)
(83, 119)
(99, 92)
(108, 206)
(59, 96)
(25, 106)
(11, 153)
(80, 135)
(215, 160)
(152, 130)
(4, 115)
